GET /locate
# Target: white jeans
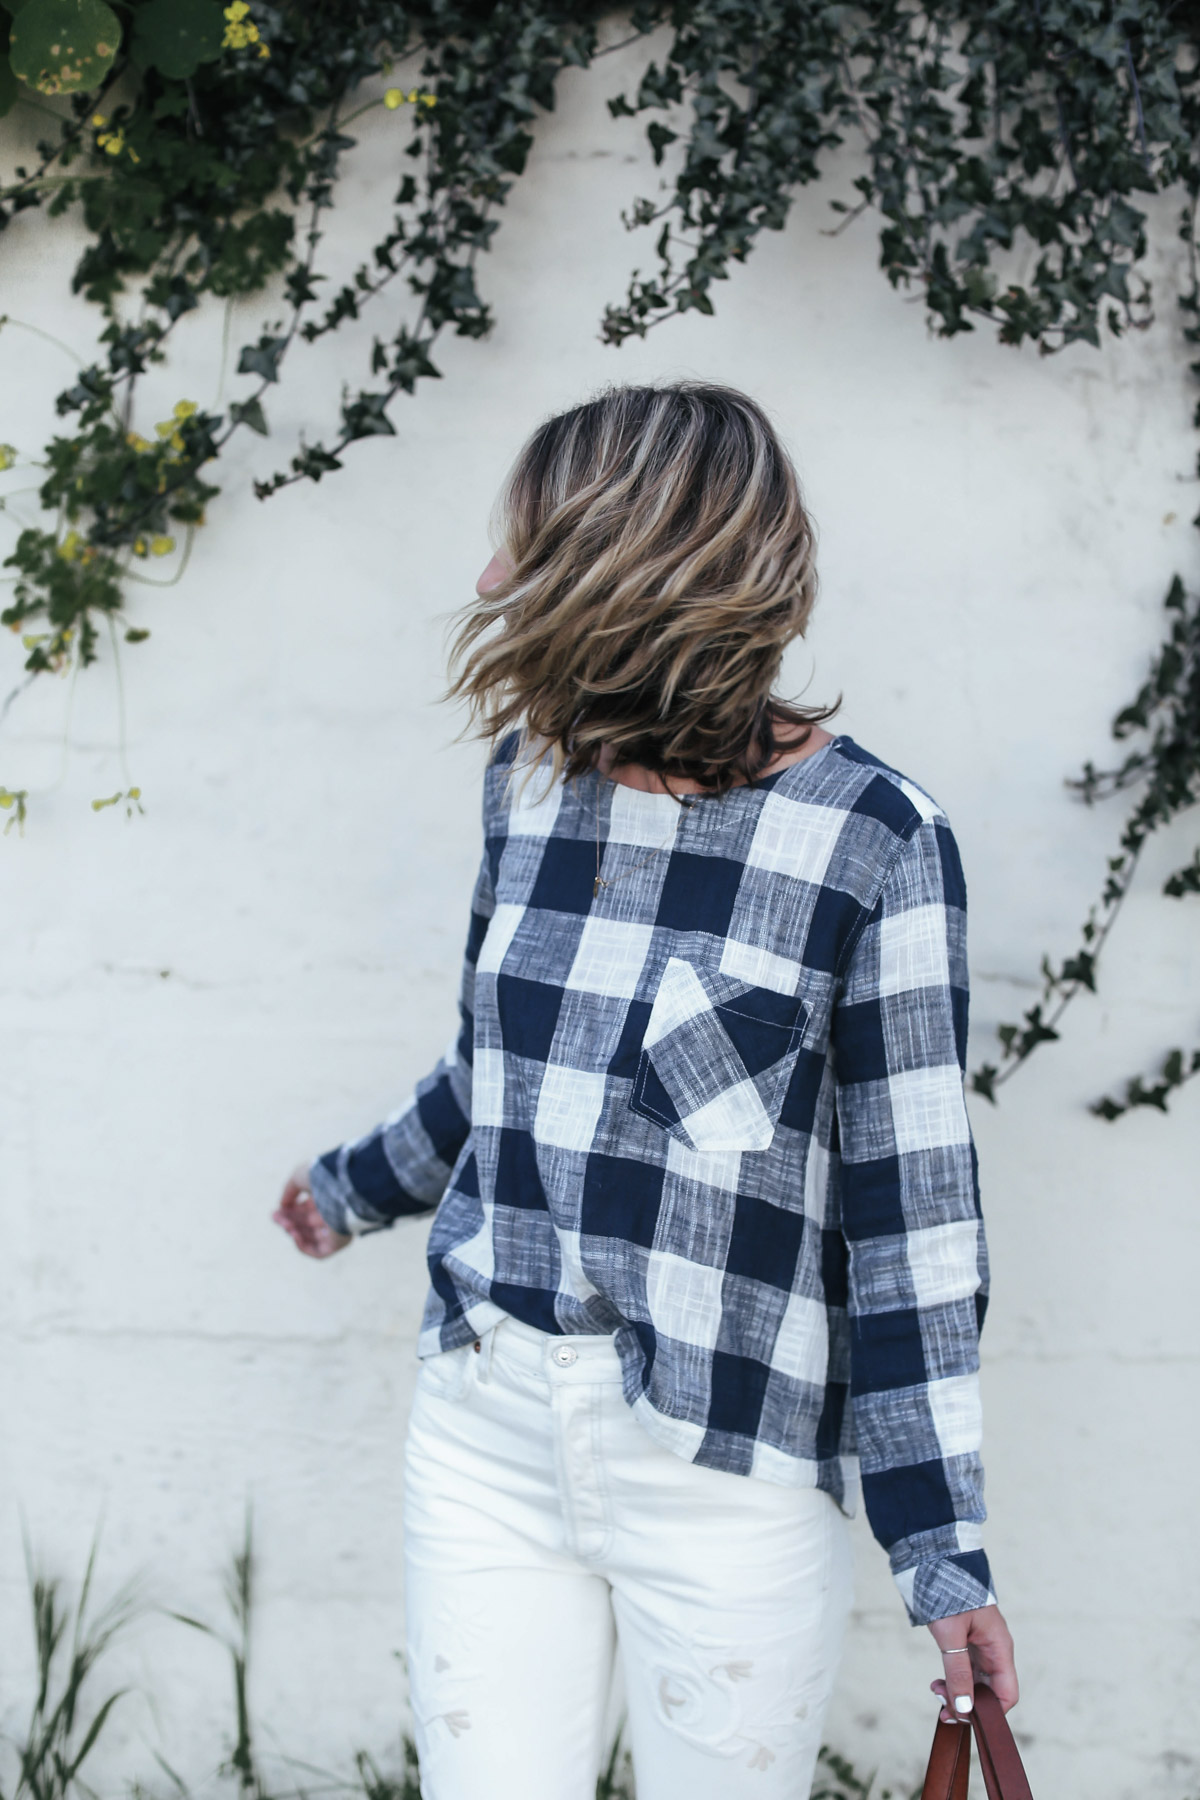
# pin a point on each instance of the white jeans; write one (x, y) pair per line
(545, 1531)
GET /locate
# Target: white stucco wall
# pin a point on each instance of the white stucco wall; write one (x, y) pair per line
(263, 963)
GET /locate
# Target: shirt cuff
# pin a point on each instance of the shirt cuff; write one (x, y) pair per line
(936, 1587)
(330, 1191)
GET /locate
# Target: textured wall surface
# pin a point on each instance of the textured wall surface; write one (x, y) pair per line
(261, 965)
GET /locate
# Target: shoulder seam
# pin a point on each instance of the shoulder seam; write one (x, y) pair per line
(895, 777)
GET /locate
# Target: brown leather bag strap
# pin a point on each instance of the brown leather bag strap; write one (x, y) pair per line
(950, 1758)
(949, 1764)
(1003, 1774)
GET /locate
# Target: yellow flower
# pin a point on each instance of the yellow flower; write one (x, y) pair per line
(393, 98)
(71, 547)
(8, 456)
(99, 121)
(139, 547)
(161, 546)
(137, 442)
(112, 142)
(240, 30)
(169, 428)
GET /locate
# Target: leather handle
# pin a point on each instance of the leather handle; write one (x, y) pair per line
(949, 1764)
(950, 1758)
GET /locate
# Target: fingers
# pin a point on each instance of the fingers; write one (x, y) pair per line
(958, 1683)
(974, 1646)
(297, 1184)
(324, 1240)
(299, 1217)
(297, 1213)
(946, 1716)
(993, 1651)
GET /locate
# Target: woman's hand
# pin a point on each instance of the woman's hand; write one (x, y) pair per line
(298, 1215)
(974, 1645)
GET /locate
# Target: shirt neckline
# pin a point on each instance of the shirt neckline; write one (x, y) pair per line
(690, 803)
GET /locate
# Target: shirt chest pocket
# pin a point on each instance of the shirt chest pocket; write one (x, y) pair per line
(717, 1058)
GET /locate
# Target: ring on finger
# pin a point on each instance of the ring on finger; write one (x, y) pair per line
(962, 1650)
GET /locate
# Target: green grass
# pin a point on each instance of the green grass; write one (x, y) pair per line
(68, 1642)
(47, 1761)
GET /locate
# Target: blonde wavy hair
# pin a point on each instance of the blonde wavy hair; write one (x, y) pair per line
(660, 561)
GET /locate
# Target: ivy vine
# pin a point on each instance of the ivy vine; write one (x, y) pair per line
(1010, 148)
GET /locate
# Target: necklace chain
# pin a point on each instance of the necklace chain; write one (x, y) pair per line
(600, 882)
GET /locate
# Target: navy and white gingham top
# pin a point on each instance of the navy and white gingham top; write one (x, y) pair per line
(716, 1109)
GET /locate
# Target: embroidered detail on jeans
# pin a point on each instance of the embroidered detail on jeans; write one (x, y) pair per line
(737, 1708)
(440, 1684)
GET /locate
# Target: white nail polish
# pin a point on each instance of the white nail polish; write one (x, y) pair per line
(963, 1704)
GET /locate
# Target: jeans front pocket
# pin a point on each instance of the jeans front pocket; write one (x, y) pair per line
(716, 1058)
(445, 1375)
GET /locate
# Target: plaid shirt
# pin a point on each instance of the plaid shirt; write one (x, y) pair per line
(715, 1107)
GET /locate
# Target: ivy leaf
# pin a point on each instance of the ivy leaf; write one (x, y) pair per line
(262, 358)
(411, 362)
(367, 417)
(174, 293)
(299, 285)
(1081, 968)
(62, 46)
(176, 36)
(659, 137)
(1185, 880)
(313, 462)
(983, 1082)
(250, 412)
(1107, 1109)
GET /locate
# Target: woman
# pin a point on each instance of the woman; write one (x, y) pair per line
(708, 1239)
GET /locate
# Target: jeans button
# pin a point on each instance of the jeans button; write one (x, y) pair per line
(564, 1355)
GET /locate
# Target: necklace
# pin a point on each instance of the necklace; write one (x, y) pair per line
(600, 882)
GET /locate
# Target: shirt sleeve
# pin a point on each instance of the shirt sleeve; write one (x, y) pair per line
(403, 1166)
(913, 1229)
